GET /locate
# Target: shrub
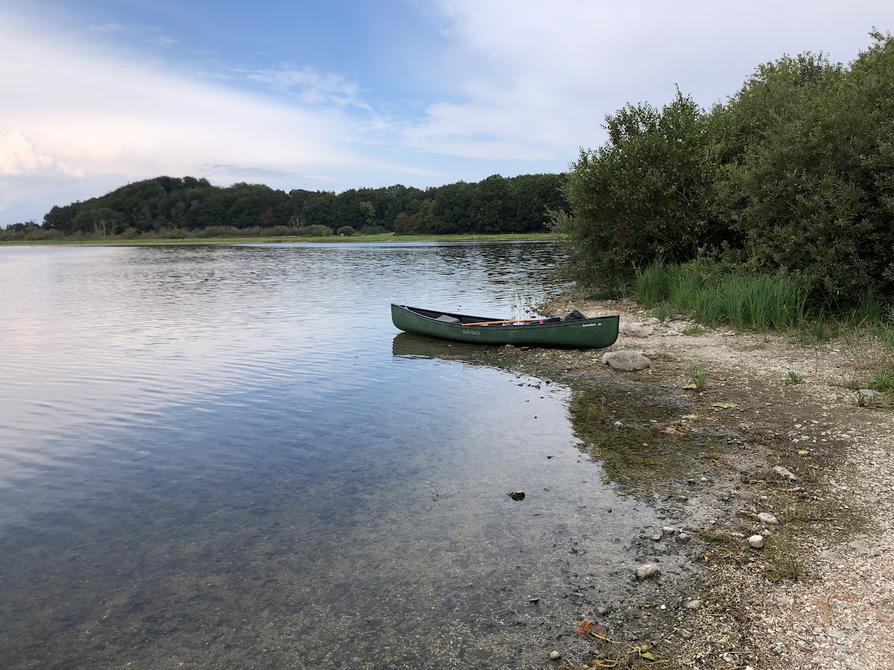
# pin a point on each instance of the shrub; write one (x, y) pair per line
(345, 231)
(315, 230)
(791, 178)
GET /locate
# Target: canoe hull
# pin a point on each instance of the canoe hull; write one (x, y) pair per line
(585, 334)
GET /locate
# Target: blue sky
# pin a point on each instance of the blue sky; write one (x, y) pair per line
(332, 95)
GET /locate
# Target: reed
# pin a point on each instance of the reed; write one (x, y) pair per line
(743, 301)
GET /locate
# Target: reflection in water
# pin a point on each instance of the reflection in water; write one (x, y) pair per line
(210, 456)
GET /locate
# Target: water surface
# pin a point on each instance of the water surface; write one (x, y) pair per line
(218, 457)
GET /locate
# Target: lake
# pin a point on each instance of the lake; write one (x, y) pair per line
(227, 457)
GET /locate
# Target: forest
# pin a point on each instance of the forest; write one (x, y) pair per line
(189, 206)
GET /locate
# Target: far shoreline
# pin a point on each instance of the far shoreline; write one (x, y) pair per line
(287, 239)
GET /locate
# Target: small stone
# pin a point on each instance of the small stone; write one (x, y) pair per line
(648, 571)
(683, 538)
(785, 473)
(554, 655)
(693, 604)
(625, 360)
(803, 452)
(602, 611)
(767, 517)
(756, 541)
(656, 537)
(534, 601)
(670, 530)
(517, 495)
(617, 424)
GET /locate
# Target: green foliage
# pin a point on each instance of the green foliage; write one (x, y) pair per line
(345, 231)
(663, 312)
(645, 193)
(651, 286)
(146, 208)
(883, 380)
(698, 378)
(693, 331)
(791, 177)
(714, 294)
(794, 378)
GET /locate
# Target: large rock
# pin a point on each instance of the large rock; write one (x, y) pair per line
(636, 329)
(625, 360)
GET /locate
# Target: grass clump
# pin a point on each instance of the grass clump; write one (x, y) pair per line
(693, 330)
(663, 312)
(783, 559)
(651, 287)
(698, 378)
(794, 378)
(715, 296)
(883, 380)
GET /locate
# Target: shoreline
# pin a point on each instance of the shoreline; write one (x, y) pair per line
(329, 239)
(817, 593)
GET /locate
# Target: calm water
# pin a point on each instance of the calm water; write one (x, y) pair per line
(222, 457)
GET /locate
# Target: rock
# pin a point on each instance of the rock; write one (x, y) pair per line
(602, 611)
(683, 537)
(648, 571)
(767, 517)
(803, 452)
(636, 329)
(785, 473)
(693, 604)
(867, 397)
(756, 541)
(656, 537)
(554, 655)
(670, 530)
(617, 424)
(625, 360)
(534, 601)
(517, 495)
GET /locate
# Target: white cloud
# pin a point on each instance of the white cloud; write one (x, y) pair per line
(533, 80)
(163, 41)
(99, 115)
(108, 27)
(18, 158)
(310, 86)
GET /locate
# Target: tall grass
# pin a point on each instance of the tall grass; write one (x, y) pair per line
(740, 300)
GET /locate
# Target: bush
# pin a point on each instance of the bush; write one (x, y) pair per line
(645, 194)
(315, 230)
(345, 231)
(791, 178)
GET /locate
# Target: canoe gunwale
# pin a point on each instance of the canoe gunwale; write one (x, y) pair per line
(473, 319)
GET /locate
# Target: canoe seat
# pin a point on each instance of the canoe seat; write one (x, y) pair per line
(447, 319)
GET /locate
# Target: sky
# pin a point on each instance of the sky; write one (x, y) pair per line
(332, 95)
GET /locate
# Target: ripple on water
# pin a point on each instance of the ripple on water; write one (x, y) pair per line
(207, 452)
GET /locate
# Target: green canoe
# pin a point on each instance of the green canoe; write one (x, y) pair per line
(582, 333)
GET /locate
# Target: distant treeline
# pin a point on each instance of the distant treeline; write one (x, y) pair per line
(792, 176)
(180, 206)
